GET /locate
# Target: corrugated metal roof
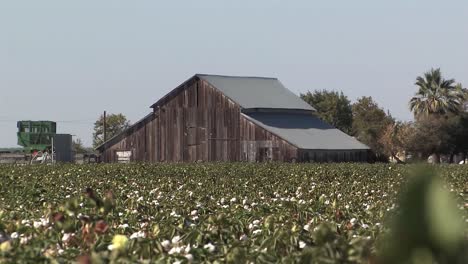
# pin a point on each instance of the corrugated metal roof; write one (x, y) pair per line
(306, 131)
(256, 92)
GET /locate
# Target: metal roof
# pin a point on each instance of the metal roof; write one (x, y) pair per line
(306, 131)
(256, 92)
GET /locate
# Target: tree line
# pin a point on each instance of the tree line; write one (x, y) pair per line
(440, 125)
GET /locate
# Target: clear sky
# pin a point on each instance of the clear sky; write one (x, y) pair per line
(69, 60)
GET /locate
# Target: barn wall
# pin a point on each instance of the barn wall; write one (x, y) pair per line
(136, 139)
(197, 124)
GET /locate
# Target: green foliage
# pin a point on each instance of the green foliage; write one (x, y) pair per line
(332, 107)
(427, 225)
(116, 123)
(431, 135)
(441, 124)
(436, 95)
(370, 122)
(458, 133)
(438, 134)
(236, 213)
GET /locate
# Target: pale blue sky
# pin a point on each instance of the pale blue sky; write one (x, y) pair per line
(70, 60)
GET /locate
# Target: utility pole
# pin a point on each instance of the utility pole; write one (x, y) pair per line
(105, 127)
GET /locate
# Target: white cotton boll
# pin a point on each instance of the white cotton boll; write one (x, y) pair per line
(175, 250)
(140, 199)
(256, 222)
(189, 257)
(302, 244)
(44, 221)
(233, 200)
(66, 237)
(306, 227)
(187, 249)
(256, 232)
(37, 224)
(24, 240)
(243, 237)
(194, 213)
(175, 239)
(139, 234)
(210, 247)
(123, 226)
(14, 235)
(353, 221)
(166, 244)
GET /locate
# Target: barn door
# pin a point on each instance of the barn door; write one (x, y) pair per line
(195, 135)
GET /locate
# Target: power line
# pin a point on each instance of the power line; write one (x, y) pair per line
(88, 121)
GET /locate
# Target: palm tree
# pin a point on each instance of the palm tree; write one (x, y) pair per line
(436, 96)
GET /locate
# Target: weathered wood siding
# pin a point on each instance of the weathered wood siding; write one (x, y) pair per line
(138, 139)
(198, 123)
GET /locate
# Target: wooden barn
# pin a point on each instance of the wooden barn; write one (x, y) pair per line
(228, 118)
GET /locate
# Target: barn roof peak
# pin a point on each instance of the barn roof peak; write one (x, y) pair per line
(250, 92)
(201, 75)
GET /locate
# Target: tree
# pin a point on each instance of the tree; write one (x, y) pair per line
(78, 146)
(432, 136)
(396, 139)
(332, 107)
(116, 123)
(436, 95)
(369, 123)
(459, 135)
